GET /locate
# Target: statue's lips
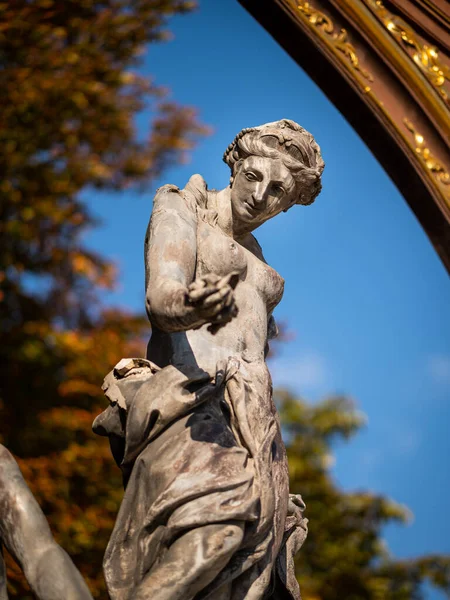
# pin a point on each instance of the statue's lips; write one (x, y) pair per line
(252, 209)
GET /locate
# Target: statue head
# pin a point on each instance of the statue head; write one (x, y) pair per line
(273, 167)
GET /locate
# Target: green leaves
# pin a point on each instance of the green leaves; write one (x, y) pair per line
(344, 555)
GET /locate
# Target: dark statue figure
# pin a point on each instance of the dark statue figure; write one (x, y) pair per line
(207, 511)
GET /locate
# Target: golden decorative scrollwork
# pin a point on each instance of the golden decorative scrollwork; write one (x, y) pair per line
(348, 49)
(339, 40)
(429, 160)
(425, 57)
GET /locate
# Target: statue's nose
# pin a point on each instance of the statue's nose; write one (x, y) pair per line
(259, 195)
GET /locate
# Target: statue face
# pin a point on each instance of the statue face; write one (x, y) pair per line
(262, 188)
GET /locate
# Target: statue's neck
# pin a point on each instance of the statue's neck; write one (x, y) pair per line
(225, 216)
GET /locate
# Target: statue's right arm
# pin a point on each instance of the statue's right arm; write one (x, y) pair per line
(26, 534)
(170, 257)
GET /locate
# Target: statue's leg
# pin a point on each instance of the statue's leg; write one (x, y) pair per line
(25, 533)
(191, 563)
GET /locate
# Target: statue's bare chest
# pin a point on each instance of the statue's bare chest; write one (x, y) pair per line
(220, 254)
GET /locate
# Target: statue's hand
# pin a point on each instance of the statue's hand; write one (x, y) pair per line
(212, 298)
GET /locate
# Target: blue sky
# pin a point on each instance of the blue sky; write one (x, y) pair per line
(366, 295)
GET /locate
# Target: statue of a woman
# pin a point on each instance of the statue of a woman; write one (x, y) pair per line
(207, 511)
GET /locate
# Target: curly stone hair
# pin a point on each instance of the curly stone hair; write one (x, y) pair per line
(285, 140)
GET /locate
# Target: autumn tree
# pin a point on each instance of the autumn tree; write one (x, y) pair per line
(69, 94)
(344, 556)
(70, 91)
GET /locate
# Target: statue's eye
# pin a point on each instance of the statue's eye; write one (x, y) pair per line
(250, 176)
(278, 190)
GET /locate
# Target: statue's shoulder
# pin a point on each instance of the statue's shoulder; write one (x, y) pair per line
(196, 190)
(193, 196)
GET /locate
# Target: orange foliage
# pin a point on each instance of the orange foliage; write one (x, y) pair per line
(68, 468)
(70, 93)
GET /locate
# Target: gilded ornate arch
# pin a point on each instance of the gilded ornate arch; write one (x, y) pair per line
(385, 64)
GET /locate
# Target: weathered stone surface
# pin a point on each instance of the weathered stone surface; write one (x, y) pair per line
(26, 534)
(207, 511)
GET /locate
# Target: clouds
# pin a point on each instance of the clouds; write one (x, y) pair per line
(438, 368)
(407, 441)
(308, 374)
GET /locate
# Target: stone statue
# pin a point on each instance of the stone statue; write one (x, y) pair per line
(207, 511)
(26, 534)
